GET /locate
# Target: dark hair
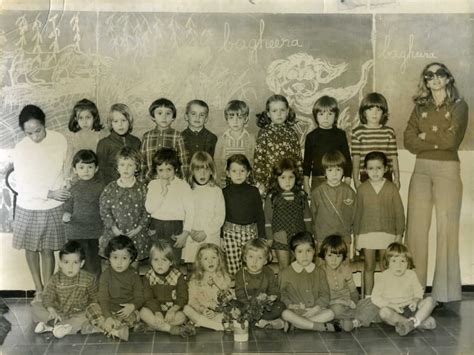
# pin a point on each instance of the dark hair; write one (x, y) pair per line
(264, 120)
(257, 244)
(326, 103)
(333, 159)
(31, 112)
(72, 247)
(397, 249)
(162, 102)
(333, 244)
(165, 156)
(121, 242)
(197, 102)
(302, 238)
(376, 156)
(236, 106)
(278, 169)
(84, 105)
(374, 99)
(241, 160)
(129, 153)
(424, 93)
(85, 156)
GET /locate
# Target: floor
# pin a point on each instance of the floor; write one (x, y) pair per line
(454, 335)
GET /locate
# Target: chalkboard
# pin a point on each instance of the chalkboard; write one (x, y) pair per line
(54, 59)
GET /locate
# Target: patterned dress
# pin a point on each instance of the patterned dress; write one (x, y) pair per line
(125, 208)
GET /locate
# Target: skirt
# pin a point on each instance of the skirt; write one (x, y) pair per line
(374, 240)
(38, 230)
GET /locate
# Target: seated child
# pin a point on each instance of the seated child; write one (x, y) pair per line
(304, 288)
(208, 278)
(256, 278)
(120, 291)
(67, 295)
(399, 294)
(344, 302)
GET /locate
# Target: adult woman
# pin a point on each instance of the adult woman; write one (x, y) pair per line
(435, 130)
(38, 160)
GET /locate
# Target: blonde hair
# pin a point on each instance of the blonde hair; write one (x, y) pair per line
(198, 270)
(202, 160)
(396, 249)
(257, 244)
(165, 248)
(124, 110)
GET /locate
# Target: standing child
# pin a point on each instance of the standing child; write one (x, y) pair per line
(122, 205)
(323, 139)
(333, 202)
(379, 218)
(286, 209)
(120, 290)
(207, 280)
(399, 294)
(165, 292)
(163, 113)
(244, 217)
(276, 139)
(196, 137)
(256, 278)
(236, 139)
(209, 205)
(82, 212)
(67, 295)
(344, 301)
(304, 288)
(169, 201)
(374, 135)
(120, 122)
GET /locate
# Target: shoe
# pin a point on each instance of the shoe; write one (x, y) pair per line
(60, 331)
(121, 333)
(429, 323)
(262, 324)
(275, 324)
(43, 328)
(187, 330)
(287, 327)
(90, 329)
(346, 324)
(404, 328)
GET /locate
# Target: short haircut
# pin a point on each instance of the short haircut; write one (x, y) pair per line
(121, 242)
(72, 247)
(374, 99)
(129, 153)
(165, 156)
(302, 238)
(395, 249)
(376, 156)
(326, 103)
(241, 160)
(257, 244)
(124, 110)
(236, 106)
(162, 102)
(161, 246)
(334, 244)
(84, 105)
(31, 112)
(202, 160)
(197, 102)
(85, 156)
(333, 159)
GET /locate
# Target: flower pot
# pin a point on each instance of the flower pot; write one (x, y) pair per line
(241, 335)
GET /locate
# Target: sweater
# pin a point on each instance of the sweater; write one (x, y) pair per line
(341, 284)
(204, 140)
(161, 292)
(251, 285)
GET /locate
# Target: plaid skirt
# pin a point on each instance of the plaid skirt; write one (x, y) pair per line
(37, 230)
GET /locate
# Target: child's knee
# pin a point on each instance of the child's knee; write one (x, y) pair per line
(385, 313)
(428, 301)
(179, 318)
(287, 314)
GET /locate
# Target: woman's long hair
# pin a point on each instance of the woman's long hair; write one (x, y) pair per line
(424, 93)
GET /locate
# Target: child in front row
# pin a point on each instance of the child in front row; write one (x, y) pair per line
(304, 288)
(209, 277)
(399, 294)
(67, 295)
(256, 278)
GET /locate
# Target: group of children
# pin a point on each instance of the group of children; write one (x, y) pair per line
(161, 199)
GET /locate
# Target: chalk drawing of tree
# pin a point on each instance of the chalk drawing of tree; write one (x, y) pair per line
(22, 26)
(77, 31)
(54, 36)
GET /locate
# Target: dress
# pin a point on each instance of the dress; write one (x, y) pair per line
(203, 293)
(274, 142)
(125, 208)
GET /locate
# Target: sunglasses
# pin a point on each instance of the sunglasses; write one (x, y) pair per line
(440, 73)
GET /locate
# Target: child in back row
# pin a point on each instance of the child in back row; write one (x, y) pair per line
(236, 139)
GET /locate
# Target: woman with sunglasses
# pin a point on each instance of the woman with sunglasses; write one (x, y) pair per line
(435, 130)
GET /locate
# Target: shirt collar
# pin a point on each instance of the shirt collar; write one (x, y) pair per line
(298, 268)
(227, 134)
(196, 131)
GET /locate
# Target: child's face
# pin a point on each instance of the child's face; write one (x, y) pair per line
(85, 171)
(119, 122)
(287, 180)
(278, 112)
(160, 263)
(85, 120)
(255, 261)
(120, 260)
(237, 173)
(70, 264)
(333, 260)
(398, 265)
(334, 175)
(165, 171)
(236, 121)
(126, 167)
(325, 119)
(209, 260)
(373, 116)
(196, 117)
(375, 169)
(202, 175)
(163, 117)
(304, 254)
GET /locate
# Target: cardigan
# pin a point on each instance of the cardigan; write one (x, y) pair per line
(204, 140)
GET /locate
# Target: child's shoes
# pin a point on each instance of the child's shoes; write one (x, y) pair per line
(61, 330)
(88, 328)
(346, 324)
(42, 327)
(403, 328)
(429, 323)
(121, 333)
